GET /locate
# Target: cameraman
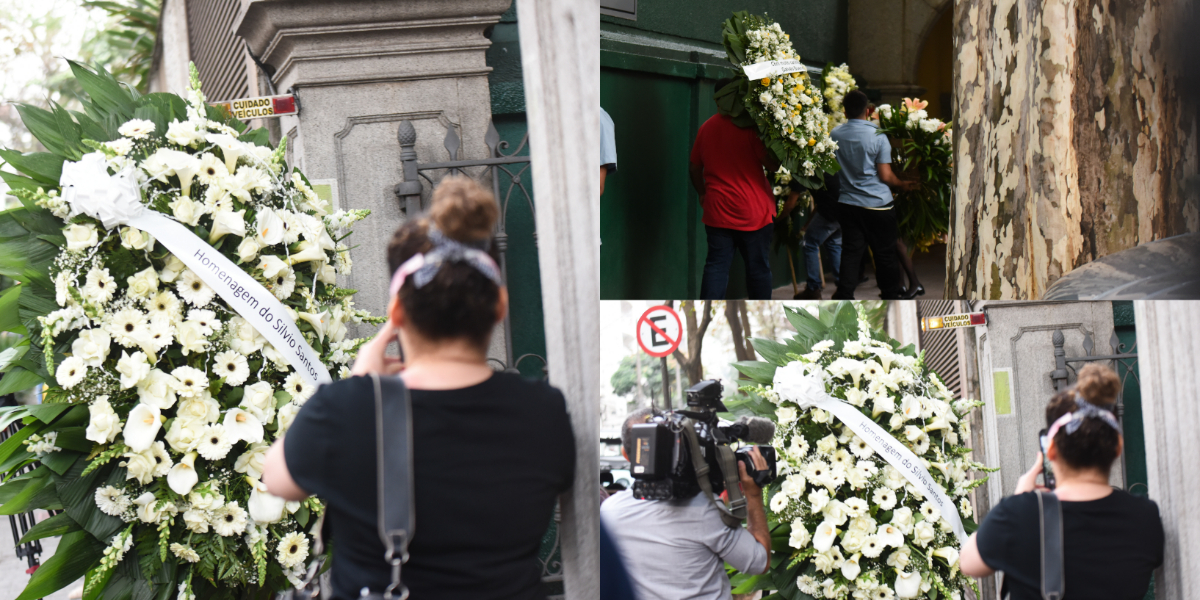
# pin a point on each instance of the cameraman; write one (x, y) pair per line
(676, 549)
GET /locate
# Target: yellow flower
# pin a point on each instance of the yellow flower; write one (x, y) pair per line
(766, 81)
(812, 141)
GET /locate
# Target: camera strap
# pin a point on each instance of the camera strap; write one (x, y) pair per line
(735, 513)
(393, 439)
(1050, 520)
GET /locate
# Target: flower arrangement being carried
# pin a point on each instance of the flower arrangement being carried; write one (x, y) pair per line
(775, 94)
(178, 297)
(872, 495)
(921, 151)
(838, 82)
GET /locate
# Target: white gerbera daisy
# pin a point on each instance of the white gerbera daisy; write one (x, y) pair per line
(212, 169)
(159, 335)
(885, 498)
(127, 326)
(112, 501)
(229, 520)
(215, 442)
(232, 366)
(191, 381)
(293, 549)
(70, 372)
(861, 448)
(872, 547)
(165, 306)
(817, 473)
(206, 319)
(283, 284)
(162, 460)
(930, 512)
(193, 290)
(99, 287)
(136, 128)
(185, 553)
(300, 389)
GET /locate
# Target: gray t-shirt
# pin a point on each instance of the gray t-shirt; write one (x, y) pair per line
(860, 148)
(676, 549)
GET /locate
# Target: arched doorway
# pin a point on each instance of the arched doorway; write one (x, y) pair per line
(935, 66)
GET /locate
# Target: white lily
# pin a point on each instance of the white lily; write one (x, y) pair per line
(268, 227)
(908, 585)
(142, 427)
(824, 536)
(307, 251)
(231, 148)
(226, 222)
(182, 477)
(318, 322)
(890, 535)
(272, 266)
(851, 568)
(243, 425)
(950, 554)
(264, 507)
(183, 165)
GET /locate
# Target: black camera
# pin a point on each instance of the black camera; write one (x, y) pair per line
(664, 461)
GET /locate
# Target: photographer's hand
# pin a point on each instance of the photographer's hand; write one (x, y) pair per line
(756, 513)
(1028, 481)
(373, 358)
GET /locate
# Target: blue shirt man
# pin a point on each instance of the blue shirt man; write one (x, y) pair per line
(860, 150)
(608, 147)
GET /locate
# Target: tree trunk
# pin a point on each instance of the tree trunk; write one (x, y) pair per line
(1072, 140)
(695, 339)
(734, 310)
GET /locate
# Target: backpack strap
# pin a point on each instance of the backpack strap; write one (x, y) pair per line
(1050, 521)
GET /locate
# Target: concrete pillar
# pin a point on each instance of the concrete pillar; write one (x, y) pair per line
(903, 324)
(359, 68)
(560, 58)
(1168, 352)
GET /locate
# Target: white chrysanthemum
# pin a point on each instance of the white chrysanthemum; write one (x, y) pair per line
(196, 520)
(232, 366)
(229, 520)
(292, 549)
(193, 290)
(99, 286)
(70, 372)
(136, 128)
(215, 442)
(112, 501)
(184, 552)
(190, 381)
(299, 388)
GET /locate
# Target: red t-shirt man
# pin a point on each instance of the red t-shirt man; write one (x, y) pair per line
(737, 194)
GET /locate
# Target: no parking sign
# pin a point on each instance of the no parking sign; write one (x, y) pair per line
(659, 331)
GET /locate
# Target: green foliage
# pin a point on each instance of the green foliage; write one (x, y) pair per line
(624, 380)
(128, 41)
(927, 157)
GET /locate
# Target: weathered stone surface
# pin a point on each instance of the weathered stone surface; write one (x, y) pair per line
(1070, 140)
(360, 68)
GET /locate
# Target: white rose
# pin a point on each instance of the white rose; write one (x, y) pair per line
(902, 518)
(140, 466)
(259, 400)
(207, 500)
(103, 425)
(143, 284)
(287, 414)
(186, 211)
(923, 533)
(200, 407)
(908, 585)
(853, 541)
(793, 383)
(92, 346)
(247, 250)
(133, 369)
(800, 536)
(157, 388)
(818, 499)
(81, 237)
(190, 335)
(793, 486)
(251, 461)
(135, 239)
(184, 434)
(785, 414)
(172, 270)
(835, 512)
(900, 558)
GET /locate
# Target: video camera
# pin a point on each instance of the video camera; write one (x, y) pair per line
(677, 448)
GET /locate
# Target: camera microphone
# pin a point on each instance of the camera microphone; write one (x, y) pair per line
(755, 430)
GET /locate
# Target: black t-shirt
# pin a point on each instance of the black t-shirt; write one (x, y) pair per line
(489, 462)
(1111, 546)
(826, 198)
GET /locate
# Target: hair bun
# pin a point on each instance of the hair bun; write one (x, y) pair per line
(1098, 384)
(463, 210)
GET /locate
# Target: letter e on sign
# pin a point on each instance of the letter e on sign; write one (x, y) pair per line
(659, 331)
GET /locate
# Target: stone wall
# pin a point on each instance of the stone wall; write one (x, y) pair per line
(1071, 139)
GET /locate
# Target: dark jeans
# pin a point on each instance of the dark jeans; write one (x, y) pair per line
(755, 247)
(863, 228)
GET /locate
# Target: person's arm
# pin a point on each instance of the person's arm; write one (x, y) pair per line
(788, 205)
(887, 176)
(603, 174)
(971, 562)
(276, 476)
(756, 512)
(696, 173)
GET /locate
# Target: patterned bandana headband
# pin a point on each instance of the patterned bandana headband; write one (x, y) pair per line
(1084, 409)
(424, 267)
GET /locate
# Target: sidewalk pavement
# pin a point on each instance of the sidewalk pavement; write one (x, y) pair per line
(12, 569)
(930, 267)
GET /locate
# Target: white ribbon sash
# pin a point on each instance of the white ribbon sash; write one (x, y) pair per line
(813, 395)
(115, 200)
(773, 68)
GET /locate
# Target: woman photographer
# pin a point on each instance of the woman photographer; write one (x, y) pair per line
(491, 451)
(1112, 541)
